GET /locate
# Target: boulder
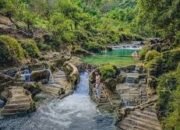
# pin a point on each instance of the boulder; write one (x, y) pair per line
(40, 75)
(110, 83)
(71, 72)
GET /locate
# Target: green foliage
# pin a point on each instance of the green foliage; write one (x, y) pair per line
(44, 47)
(164, 62)
(94, 47)
(150, 55)
(159, 17)
(143, 52)
(10, 50)
(107, 71)
(169, 105)
(30, 48)
(171, 59)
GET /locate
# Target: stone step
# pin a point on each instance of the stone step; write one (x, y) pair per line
(125, 125)
(17, 108)
(150, 109)
(12, 113)
(56, 85)
(59, 76)
(18, 96)
(14, 105)
(17, 91)
(53, 91)
(16, 88)
(138, 113)
(20, 100)
(14, 110)
(148, 121)
(145, 125)
(149, 113)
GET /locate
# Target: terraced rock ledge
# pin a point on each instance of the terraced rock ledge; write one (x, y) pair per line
(19, 101)
(140, 120)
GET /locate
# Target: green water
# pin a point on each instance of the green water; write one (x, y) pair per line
(119, 57)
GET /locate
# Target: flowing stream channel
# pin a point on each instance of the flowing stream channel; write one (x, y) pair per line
(75, 112)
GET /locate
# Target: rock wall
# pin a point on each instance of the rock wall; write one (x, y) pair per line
(72, 74)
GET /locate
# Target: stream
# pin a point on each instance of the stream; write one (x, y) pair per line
(75, 112)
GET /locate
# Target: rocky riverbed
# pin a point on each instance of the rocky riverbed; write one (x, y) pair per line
(75, 112)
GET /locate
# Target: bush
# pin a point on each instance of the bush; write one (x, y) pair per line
(150, 55)
(43, 47)
(171, 59)
(107, 71)
(30, 48)
(143, 52)
(10, 50)
(168, 103)
(155, 67)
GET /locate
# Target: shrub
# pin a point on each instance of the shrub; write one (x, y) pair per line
(168, 103)
(107, 71)
(150, 55)
(171, 59)
(143, 52)
(31, 48)
(10, 50)
(43, 47)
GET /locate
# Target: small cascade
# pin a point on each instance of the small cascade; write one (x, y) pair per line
(51, 78)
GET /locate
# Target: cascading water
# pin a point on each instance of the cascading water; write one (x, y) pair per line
(51, 78)
(75, 112)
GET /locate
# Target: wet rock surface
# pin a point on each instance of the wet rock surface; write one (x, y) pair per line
(140, 120)
(19, 101)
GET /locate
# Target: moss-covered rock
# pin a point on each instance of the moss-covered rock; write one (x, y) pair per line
(150, 55)
(107, 71)
(30, 48)
(11, 51)
(40, 75)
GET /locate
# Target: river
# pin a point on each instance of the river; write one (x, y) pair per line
(75, 112)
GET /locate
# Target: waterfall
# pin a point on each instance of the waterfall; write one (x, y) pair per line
(51, 78)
